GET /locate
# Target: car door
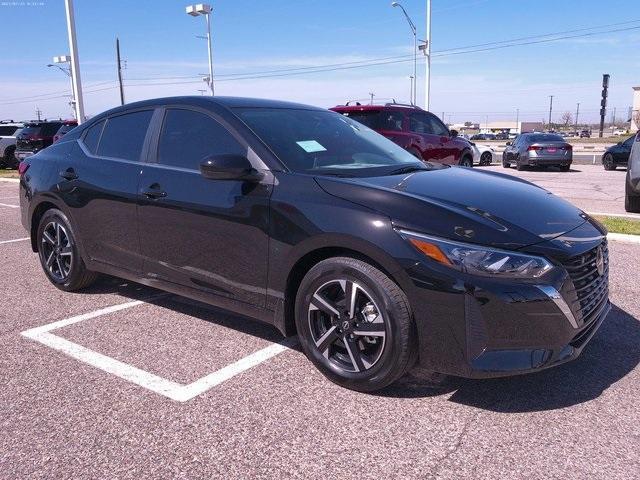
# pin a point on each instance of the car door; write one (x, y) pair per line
(205, 234)
(420, 124)
(98, 182)
(447, 146)
(622, 153)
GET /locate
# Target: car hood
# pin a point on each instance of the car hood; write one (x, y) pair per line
(463, 204)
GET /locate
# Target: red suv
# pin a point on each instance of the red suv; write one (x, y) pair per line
(414, 129)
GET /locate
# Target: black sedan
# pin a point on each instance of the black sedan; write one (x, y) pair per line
(618, 155)
(538, 150)
(307, 220)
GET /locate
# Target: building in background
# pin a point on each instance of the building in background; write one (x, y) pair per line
(635, 111)
(511, 127)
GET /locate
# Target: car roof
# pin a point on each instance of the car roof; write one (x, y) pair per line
(374, 108)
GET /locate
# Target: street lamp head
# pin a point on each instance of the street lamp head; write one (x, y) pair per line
(62, 59)
(198, 9)
(395, 4)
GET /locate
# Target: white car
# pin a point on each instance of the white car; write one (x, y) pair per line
(632, 184)
(619, 132)
(8, 133)
(482, 154)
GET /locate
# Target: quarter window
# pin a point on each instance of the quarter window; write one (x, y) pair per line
(188, 137)
(92, 136)
(123, 136)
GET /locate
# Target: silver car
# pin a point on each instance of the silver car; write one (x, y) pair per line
(632, 188)
(538, 149)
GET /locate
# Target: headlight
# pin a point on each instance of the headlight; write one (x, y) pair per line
(478, 260)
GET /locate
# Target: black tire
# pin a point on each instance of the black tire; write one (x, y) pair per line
(486, 158)
(59, 255)
(608, 163)
(520, 167)
(415, 152)
(565, 168)
(397, 348)
(10, 160)
(632, 204)
(505, 164)
(466, 161)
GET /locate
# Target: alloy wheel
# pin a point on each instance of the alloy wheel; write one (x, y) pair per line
(347, 326)
(57, 250)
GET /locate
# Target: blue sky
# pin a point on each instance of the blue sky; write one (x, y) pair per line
(159, 43)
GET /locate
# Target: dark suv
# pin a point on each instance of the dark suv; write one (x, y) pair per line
(35, 136)
(419, 132)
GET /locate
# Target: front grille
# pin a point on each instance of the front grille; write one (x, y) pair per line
(591, 288)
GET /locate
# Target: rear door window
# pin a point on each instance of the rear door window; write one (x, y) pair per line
(7, 131)
(419, 123)
(92, 136)
(188, 137)
(123, 136)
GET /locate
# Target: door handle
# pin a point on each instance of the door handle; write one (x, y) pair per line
(69, 174)
(154, 192)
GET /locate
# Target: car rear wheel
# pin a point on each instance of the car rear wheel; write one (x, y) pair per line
(58, 253)
(565, 168)
(485, 158)
(632, 204)
(608, 162)
(466, 161)
(10, 160)
(355, 324)
(505, 164)
(520, 167)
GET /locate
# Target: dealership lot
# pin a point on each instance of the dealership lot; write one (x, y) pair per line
(124, 381)
(589, 187)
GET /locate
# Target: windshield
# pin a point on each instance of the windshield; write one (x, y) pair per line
(545, 138)
(324, 142)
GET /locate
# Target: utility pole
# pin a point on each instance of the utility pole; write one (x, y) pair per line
(371, 94)
(550, 109)
(119, 71)
(427, 52)
(603, 102)
(577, 113)
(75, 62)
(38, 113)
(613, 119)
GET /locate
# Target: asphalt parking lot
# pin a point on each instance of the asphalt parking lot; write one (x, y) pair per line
(123, 381)
(589, 187)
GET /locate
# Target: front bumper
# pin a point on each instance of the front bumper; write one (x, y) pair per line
(480, 327)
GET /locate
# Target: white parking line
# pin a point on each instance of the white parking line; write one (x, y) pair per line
(8, 205)
(173, 390)
(9, 198)
(15, 240)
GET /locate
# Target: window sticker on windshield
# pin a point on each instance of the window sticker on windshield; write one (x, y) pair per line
(311, 146)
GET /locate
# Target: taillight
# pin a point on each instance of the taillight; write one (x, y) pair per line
(533, 148)
(23, 167)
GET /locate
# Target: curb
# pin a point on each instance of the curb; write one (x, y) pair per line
(623, 237)
(12, 180)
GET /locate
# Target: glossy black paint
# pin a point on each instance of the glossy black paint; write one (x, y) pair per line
(620, 152)
(244, 244)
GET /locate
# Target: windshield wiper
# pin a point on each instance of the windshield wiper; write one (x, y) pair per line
(408, 169)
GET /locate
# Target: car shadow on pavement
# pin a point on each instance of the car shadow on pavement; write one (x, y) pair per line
(611, 355)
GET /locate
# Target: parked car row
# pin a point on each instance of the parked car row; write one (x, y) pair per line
(21, 140)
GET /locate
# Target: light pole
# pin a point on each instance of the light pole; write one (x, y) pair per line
(415, 50)
(74, 62)
(550, 109)
(577, 113)
(412, 83)
(427, 53)
(63, 59)
(205, 9)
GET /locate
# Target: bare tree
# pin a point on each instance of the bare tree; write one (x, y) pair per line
(567, 118)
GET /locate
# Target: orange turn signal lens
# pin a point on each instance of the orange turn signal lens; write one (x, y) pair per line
(430, 250)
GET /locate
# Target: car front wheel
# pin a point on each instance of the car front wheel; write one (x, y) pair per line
(466, 161)
(355, 324)
(608, 162)
(58, 253)
(485, 158)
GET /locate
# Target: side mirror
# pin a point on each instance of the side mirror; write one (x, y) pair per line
(453, 133)
(229, 167)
